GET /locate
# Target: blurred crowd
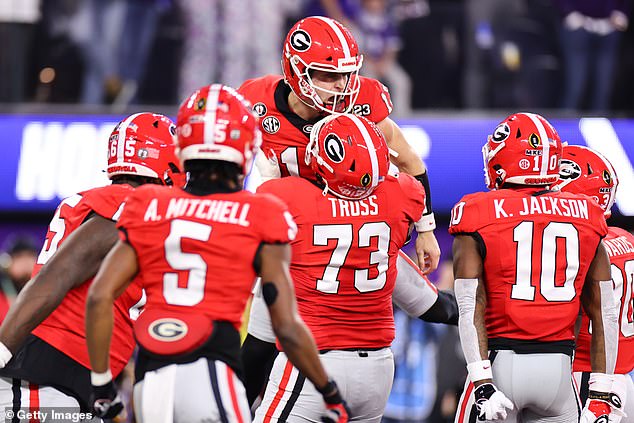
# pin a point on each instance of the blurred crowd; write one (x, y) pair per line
(574, 55)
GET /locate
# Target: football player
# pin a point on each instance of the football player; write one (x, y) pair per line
(525, 258)
(585, 171)
(352, 219)
(42, 339)
(320, 63)
(198, 251)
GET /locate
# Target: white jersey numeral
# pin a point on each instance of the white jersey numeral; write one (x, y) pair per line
(523, 236)
(56, 230)
(329, 282)
(623, 284)
(289, 159)
(194, 292)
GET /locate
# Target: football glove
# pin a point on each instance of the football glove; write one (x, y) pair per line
(603, 399)
(336, 408)
(106, 401)
(491, 403)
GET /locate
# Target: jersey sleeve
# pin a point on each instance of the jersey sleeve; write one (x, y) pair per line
(377, 97)
(465, 216)
(276, 224)
(108, 201)
(414, 195)
(130, 219)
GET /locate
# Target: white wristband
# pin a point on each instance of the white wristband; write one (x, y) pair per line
(100, 379)
(5, 355)
(479, 370)
(426, 223)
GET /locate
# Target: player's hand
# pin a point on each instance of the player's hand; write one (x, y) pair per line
(428, 251)
(605, 396)
(336, 408)
(335, 413)
(491, 403)
(106, 401)
(5, 355)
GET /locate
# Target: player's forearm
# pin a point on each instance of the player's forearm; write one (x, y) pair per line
(299, 345)
(407, 160)
(99, 324)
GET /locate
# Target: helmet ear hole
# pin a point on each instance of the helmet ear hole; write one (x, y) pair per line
(352, 166)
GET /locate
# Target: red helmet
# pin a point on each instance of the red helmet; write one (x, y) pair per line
(143, 145)
(524, 149)
(586, 171)
(349, 153)
(319, 43)
(217, 123)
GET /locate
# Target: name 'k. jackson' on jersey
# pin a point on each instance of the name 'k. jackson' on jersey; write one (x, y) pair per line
(537, 247)
(344, 257)
(285, 134)
(64, 329)
(198, 251)
(620, 247)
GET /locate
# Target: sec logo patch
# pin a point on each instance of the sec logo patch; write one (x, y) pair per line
(271, 124)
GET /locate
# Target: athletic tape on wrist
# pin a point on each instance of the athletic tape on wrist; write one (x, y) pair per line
(100, 379)
(480, 370)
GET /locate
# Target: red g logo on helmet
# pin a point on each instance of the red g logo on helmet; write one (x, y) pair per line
(349, 154)
(217, 123)
(585, 171)
(143, 145)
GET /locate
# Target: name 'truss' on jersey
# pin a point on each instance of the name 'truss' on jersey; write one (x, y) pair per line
(537, 246)
(285, 134)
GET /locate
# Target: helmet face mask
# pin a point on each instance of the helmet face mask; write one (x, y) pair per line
(524, 149)
(143, 145)
(349, 154)
(217, 123)
(585, 171)
(322, 44)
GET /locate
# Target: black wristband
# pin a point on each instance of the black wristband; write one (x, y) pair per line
(424, 180)
(330, 392)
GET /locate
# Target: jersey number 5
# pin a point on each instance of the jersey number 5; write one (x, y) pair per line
(329, 282)
(194, 292)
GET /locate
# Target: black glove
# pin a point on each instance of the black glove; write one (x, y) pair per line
(106, 401)
(336, 409)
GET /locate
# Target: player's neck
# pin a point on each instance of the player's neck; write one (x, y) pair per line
(301, 109)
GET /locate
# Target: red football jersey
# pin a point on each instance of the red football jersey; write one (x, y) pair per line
(285, 135)
(620, 247)
(196, 252)
(538, 247)
(64, 329)
(344, 257)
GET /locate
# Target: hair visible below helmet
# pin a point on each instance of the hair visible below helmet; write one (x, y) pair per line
(524, 149)
(143, 145)
(586, 171)
(217, 123)
(320, 43)
(349, 154)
